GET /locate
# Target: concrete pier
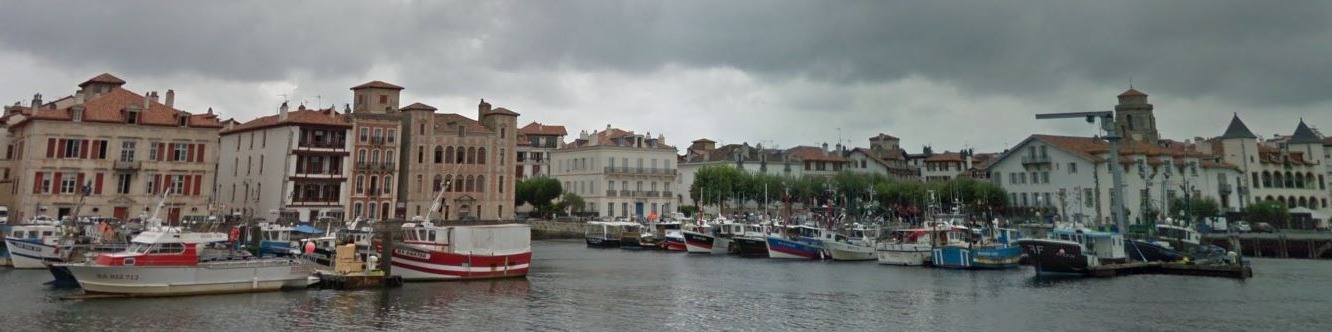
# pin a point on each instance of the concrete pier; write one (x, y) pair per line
(1312, 245)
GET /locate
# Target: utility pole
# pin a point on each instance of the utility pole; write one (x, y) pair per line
(1112, 135)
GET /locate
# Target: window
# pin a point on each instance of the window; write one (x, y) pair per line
(421, 130)
(261, 164)
(360, 157)
(365, 134)
(439, 153)
(249, 164)
(263, 143)
(252, 140)
(67, 183)
(179, 151)
(388, 157)
(123, 183)
(1045, 177)
(127, 150)
(178, 184)
(383, 99)
(360, 184)
(133, 117)
(356, 209)
(501, 184)
(420, 154)
(392, 135)
(1072, 168)
(503, 132)
(388, 184)
(72, 148)
(419, 180)
(502, 157)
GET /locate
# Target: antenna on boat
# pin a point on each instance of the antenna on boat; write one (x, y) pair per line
(154, 221)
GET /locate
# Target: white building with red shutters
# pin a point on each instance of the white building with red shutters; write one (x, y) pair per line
(106, 151)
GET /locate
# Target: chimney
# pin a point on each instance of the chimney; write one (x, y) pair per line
(36, 102)
(171, 98)
(282, 112)
(154, 96)
(147, 97)
(78, 97)
(825, 148)
(482, 109)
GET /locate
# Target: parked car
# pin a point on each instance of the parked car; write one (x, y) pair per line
(1262, 227)
(1243, 227)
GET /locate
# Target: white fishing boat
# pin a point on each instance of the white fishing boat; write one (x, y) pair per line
(432, 253)
(859, 246)
(37, 242)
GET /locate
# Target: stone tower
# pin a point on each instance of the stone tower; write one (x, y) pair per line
(1135, 118)
(376, 97)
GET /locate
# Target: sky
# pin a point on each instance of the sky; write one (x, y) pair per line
(948, 74)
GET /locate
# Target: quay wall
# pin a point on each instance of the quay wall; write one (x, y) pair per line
(545, 230)
(1276, 245)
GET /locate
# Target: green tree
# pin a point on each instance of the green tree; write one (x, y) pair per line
(539, 192)
(1195, 207)
(716, 184)
(1271, 212)
(572, 202)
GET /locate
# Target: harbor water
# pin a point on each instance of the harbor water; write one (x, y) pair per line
(573, 288)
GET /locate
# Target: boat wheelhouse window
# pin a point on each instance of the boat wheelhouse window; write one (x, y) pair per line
(138, 248)
(47, 233)
(432, 236)
(168, 248)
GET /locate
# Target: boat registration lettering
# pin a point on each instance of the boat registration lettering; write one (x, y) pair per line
(412, 253)
(117, 276)
(26, 246)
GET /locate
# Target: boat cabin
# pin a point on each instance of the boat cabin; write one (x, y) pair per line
(1176, 233)
(1103, 245)
(45, 234)
(468, 239)
(163, 248)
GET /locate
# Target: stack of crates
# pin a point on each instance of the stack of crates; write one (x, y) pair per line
(347, 261)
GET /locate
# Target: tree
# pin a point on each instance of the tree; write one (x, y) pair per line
(1271, 212)
(1196, 207)
(572, 202)
(716, 184)
(539, 192)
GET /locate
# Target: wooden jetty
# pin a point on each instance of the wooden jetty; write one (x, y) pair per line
(347, 281)
(1234, 271)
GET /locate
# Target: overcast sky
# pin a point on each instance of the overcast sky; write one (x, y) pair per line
(784, 73)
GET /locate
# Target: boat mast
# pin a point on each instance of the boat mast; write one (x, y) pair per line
(153, 220)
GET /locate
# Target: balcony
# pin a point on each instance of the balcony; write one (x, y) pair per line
(362, 165)
(320, 144)
(666, 194)
(127, 165)
(1035, 160)
(654, 194)
(377, 140)
(626, 193)
(610, 193)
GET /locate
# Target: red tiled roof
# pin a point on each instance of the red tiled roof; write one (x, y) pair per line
(814, 153)
(376, 85)
(110, 107)
(103, 78)
(536, 128)
(302, 116)
(473, 126)
(945, 157)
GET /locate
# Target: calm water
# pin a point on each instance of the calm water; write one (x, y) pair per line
(573, 288)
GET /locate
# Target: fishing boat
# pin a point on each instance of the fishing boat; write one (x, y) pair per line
(166, 261)
(602, 234)
(631, 236)
(37, 242)
(433, 253)
(275, 240)
(965, 248)
(699, 240)
(858, 246)
(1072, 251)
(797, 242)
(1178, 238)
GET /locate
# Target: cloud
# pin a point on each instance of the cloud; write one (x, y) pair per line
(949, 74)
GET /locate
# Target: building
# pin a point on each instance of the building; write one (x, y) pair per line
(1292, 171)
(107, 151)
(536, 141)
(291, 166)
(376, 123)
(884, 156)
(1069, 178)
(469, 160)
(946, 166)
(618, 173)
(757, 160)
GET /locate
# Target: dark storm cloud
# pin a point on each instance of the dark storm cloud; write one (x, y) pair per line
(1001, 60)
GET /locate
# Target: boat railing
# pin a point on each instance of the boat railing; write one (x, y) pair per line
(246, 263)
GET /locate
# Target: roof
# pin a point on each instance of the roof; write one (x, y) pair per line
(703, 140)
(376, 85)
(503, 111)
(110, 107)
(814, 153)
(945, 157)
(1131, 92)
(537, 128)
(443, 120)
(1304, 135)
(1237, 129)
(417, 107)
(302, 116)
(1327, 141)
(103, 78)
(882, 137)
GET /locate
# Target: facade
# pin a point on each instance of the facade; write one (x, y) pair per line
(1293, 171)
(376, 123)
(1070, 176)
(946, 166)
(884, 156)
(108, 151)
(468, 159)
(619, 173)
(291, 166)
(536, 141)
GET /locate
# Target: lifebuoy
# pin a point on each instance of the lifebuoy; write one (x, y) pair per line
(235, 234)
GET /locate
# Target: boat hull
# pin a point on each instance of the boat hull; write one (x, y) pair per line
(630, 242)
(849, 252)
(790, 249)
(421, 264)
(244, 276)
(903, 254)
(698, 243)
(599, 242)
(25, 254)
(1056, 258)
(979, 257)
(675, 242)
(1141, 251)
(749, 247)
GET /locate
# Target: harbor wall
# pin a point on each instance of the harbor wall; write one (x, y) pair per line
(1276, 245)
(545, 230)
